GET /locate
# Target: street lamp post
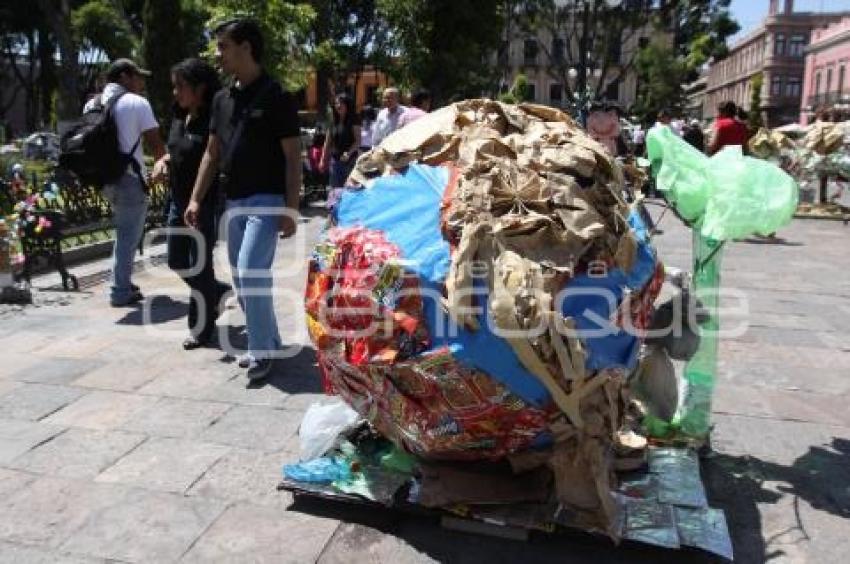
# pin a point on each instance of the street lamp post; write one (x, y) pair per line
(582, 94)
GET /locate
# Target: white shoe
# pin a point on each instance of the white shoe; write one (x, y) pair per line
(246, 360)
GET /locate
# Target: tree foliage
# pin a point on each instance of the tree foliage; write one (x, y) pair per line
(576, 36)
(99, 26)
(698, 30)
(345, 37)
(754, 117)
(660, 86)
(286, 28)
(444, 45)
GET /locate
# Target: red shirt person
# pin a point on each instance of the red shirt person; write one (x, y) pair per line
(728, 130)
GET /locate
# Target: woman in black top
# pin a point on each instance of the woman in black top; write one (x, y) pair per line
(190, 252)
(342, 143)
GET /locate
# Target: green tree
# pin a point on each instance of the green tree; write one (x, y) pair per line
(444, 45)
(103, 31)
(286, 28)
(164, 44)
(345, 37)
(518, 92)
(57, 14)
(700, 30)
(661, 75)
(573, 37)
(754, 119)
(697, 32)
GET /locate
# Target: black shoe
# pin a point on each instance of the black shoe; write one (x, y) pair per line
(260, 369)
(133, 299)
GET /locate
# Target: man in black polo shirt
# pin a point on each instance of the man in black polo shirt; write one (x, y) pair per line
(254, 148)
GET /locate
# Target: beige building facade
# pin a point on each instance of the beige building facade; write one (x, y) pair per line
(542, 58)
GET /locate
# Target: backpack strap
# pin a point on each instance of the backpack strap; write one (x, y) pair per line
(134, 164)
(240, 127)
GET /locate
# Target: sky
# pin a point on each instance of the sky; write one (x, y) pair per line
(750, 13)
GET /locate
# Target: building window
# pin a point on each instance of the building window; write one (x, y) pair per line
(776, 85)
(558, 50)
(828, 81)
(779, 44)
(612, 91)
(793, 88)
(556, 94)
(797, 45)
(530, 51)
(531, 92)
(841, 80)
(817, 84)
(643, 42)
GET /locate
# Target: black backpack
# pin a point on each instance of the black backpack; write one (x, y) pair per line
(90, 148)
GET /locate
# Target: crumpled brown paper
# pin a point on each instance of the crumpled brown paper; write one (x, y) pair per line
(824, 137)
(535, 198)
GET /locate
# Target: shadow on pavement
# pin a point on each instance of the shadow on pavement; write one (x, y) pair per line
(771, 241)
(736, 484)
(161, 309)
(422, 531)
(298, 374)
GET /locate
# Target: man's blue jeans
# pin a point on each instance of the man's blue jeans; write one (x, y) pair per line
(129, 209)
(251, 242)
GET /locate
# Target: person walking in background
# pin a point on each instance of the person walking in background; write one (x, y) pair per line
(134, 121)
(727, 129)
(388, 117)
(694, 136)
(420, 106)
(195, 84)
(603, 125)
(255, 148)
(639, 140)
(367, 124)
(342, 142)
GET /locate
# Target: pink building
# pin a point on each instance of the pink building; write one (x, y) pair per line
(827, 59)
(776, 51)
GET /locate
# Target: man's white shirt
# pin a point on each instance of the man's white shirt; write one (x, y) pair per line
(133, 116)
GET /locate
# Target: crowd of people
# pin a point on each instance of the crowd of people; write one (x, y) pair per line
(233, 152)
(232, 158)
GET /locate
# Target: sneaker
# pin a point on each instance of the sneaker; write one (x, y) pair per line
(245, 361)
(260, 369)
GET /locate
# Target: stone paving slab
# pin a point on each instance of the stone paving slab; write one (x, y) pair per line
(17, 437)
(200, 482)
(801, 406)
(10, 553)
(144, 527)
(78, 453)
(176, 418)
(260, 428)
(51, 509)
(119, 376)
(54, 370)
(35, 401)
(101, 410)
(161, 464)
(12, 481)
(246, 475)
(250, 533)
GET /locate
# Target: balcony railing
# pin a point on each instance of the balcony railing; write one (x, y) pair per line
(828, 98)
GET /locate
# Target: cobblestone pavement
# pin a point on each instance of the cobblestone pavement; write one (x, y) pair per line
(117, 445)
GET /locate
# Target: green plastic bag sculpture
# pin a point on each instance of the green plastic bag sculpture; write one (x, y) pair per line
(727, 196)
